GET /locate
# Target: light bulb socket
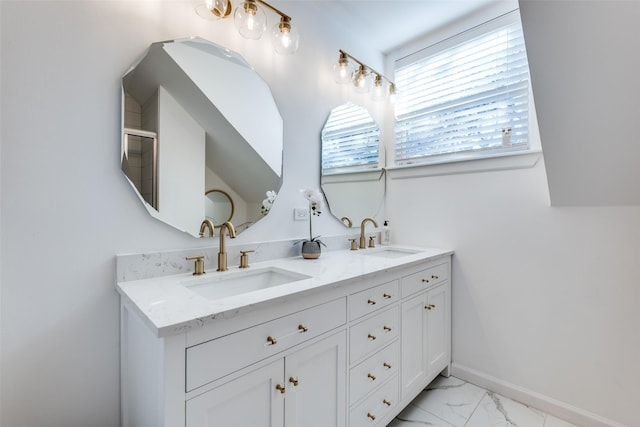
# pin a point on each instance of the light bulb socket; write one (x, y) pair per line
(250, 7)
(285, 25)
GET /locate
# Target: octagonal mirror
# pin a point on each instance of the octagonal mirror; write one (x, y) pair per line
(353, 179)
(197, 117)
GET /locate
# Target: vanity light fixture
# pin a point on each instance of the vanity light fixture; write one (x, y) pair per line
(364, 78)
(251, 22)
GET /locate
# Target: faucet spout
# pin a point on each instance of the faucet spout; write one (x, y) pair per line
(222, 253)
(364, 221)
(206, 224)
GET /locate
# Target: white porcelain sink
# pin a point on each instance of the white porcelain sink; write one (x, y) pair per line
(388, 252)
(220, 285)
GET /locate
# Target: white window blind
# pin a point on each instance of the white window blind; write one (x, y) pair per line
(350, 140)
(467, 95)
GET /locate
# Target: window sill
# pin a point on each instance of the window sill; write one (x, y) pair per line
(521, 160)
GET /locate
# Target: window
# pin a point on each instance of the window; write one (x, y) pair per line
(465, 97)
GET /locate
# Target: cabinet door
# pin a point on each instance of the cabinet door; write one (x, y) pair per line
(414, 343)
(250, 400)
(316, 384)
(438, 326)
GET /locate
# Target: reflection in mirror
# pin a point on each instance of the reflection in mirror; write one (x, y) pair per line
(140, 163)
(353, 180)
(218, 207)
(217, 126)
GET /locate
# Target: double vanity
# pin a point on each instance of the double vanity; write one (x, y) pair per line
(348, 339)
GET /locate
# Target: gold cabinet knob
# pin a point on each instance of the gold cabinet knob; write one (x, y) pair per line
(386, 365)
(371, 302)
(371, 337)
(371, 416)
(271, 340)
(302, 328)
(371, 377)
(386, 296)
(434, 277)
(386, 328)
(425, 280)
(280, 388)
(293, 381)
(386, 402)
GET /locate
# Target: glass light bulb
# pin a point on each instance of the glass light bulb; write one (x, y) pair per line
(361, 80)
(379, 89)
(285, 38)
(250, 20)
(342, 71)
(219, 8)
(392, 95)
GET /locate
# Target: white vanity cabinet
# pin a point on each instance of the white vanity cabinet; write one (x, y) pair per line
(350, 353)
(426, 327)
(304, 388)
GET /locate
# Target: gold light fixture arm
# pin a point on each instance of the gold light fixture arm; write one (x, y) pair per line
(283, 15)
(362, 64)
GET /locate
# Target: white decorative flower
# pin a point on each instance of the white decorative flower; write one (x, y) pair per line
(268, 202)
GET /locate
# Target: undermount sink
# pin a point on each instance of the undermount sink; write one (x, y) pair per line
(221, 285)
(389, 252)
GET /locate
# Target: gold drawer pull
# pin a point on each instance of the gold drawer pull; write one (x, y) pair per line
(371, 337)
(425, 280)
(434, 277)
(293, 381)
(371, 302)
(387, 328)
(430, 307)
(386, 365)
(271, 340)
(281, 389)
(303, 328)
(373, 377)
(370, 415)
(386, 296)
(386, 402)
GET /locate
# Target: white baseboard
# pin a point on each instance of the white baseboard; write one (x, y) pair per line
(559, 409)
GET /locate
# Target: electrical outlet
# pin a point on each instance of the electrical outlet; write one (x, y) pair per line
(300, 214)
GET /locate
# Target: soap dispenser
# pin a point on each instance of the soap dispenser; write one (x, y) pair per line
(385, 234)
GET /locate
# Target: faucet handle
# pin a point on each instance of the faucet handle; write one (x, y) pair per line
(244, 257)
(372, 240)
(354, 245)
(198, 268)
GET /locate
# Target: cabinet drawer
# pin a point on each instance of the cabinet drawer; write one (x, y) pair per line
(424, 279)
(376, 407)
(373, 334)
(373, 371)
(373, 299)
(211, 360)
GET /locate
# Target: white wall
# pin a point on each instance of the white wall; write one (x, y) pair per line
(544, 298)
(67, 209)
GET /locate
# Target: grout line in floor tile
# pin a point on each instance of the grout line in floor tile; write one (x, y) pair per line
(486, 393)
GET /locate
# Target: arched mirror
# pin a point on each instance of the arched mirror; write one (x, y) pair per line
(353, 179)
(196, 116)
(218, 207)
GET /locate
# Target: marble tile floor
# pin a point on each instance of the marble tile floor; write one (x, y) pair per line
(451, 402)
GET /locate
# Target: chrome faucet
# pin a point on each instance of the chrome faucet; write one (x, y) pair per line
(206, 224)
(362, 239)
(222, 254)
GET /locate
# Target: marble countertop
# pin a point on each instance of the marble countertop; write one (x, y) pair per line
(168, 307)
